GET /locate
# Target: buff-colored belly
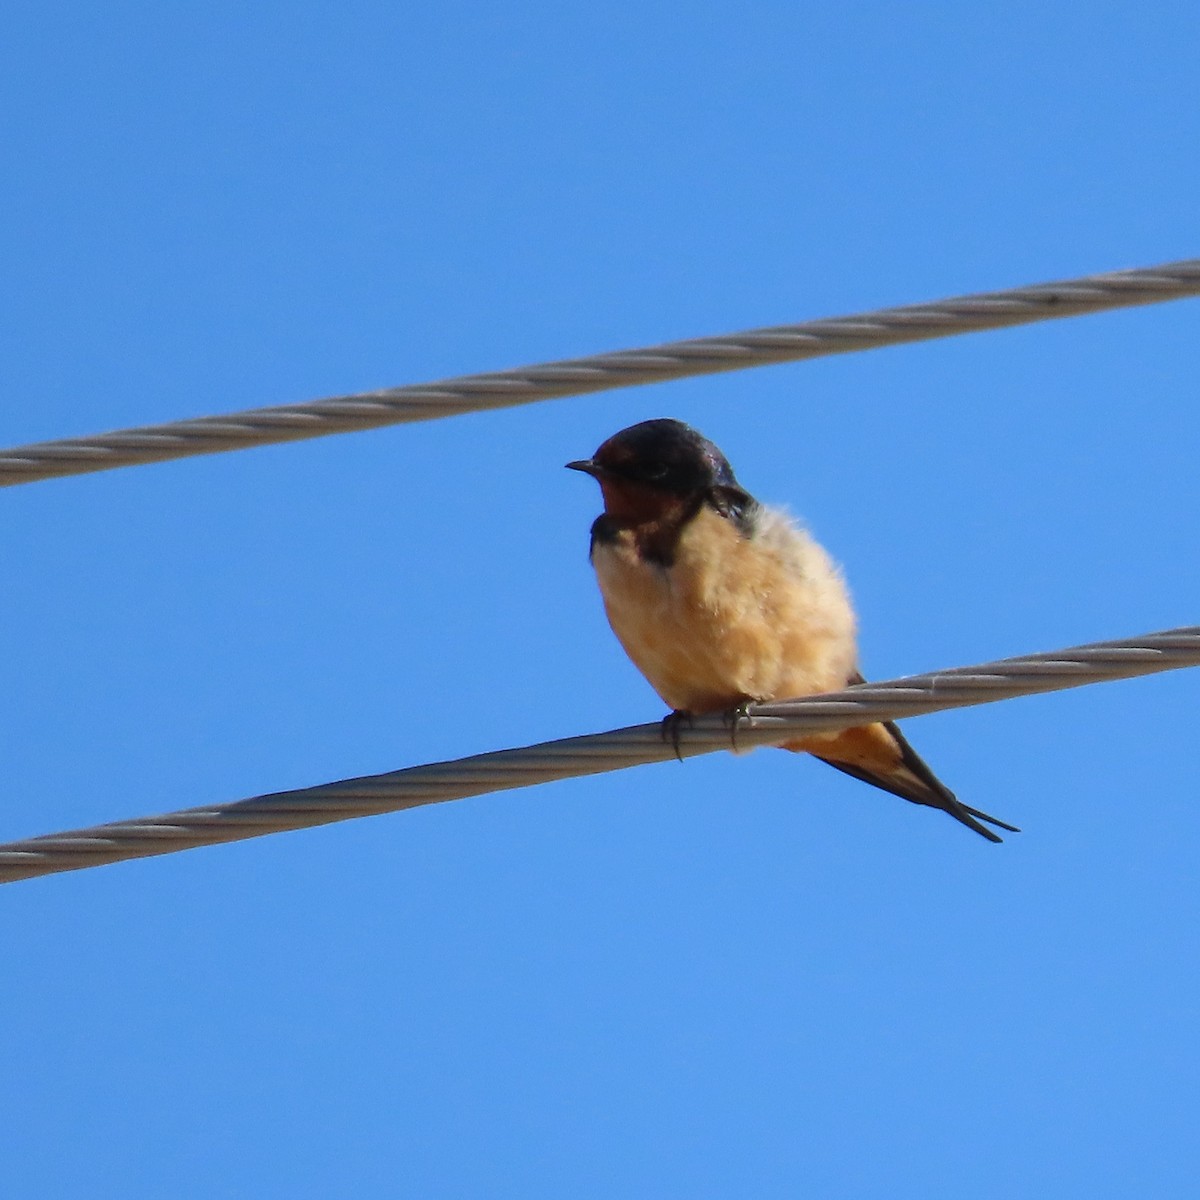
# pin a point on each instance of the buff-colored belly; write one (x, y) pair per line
(731, 619)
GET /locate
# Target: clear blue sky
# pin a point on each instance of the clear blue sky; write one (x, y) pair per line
(736, 977)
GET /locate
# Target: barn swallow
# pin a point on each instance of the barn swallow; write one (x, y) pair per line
(722, 601)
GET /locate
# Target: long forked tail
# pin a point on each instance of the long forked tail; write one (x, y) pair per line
(880, 755)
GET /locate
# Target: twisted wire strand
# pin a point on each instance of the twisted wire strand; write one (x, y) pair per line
(571, 377)
(596, 753)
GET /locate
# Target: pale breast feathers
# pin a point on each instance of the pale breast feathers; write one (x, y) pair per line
(756, 612)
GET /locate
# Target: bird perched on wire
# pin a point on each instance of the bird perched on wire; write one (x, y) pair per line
(720, 601)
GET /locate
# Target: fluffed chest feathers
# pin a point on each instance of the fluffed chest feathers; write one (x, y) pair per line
(729, 617)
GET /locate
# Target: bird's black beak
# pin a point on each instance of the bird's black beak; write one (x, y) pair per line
(587, 466)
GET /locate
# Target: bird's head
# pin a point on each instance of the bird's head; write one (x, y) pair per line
(656, 466)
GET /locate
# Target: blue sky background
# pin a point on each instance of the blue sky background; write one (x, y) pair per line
(746, 976)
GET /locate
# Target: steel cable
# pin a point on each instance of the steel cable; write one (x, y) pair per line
(656, 364)
(597, 753)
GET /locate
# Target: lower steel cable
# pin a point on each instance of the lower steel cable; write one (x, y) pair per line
(596, 753)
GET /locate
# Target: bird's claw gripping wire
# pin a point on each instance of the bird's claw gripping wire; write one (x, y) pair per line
(734, 717)
(671, 725)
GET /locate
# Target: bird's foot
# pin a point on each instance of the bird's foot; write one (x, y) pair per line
(671, 725)
(734, 717)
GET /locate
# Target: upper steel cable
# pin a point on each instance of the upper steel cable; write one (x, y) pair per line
(655, 364)
(591, 755)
